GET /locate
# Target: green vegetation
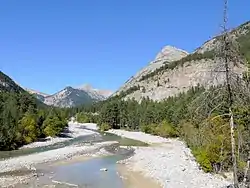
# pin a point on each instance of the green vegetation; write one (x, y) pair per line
(53, 126)
(129, 91)
(104, 127)
(163, 129)
(83, 117)
(208, 136)
(172, 65)
(7, 84)
(23, 121)
(244, 42)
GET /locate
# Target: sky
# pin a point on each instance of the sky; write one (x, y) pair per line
(47, 45)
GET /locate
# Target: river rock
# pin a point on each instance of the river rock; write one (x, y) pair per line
(104, 169)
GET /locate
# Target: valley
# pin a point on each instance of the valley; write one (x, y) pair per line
(182, 121)
(47, 168)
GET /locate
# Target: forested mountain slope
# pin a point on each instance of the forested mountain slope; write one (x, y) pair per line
(173, 77)
(7, 84)
(194, 109)
(23, 118)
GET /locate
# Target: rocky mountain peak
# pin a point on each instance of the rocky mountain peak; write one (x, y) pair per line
(102, 93)
(72, 96)
(171, 53)
(174, 71)
(167, 54)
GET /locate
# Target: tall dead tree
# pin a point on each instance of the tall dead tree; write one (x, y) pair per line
(228, 58)
(230, 88)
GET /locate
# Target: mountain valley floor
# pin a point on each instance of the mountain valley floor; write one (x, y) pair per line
(164, 163)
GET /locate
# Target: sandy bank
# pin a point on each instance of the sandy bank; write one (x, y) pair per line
(133, 179)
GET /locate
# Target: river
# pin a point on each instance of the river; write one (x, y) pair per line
(82, 171)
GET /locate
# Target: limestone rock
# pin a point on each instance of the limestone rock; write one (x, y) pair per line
(181, 70)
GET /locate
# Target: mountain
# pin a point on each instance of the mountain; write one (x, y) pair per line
(174, 70)
(70, 97)
(97, 94)
(168, 53)
(7, 84)
(39, 95)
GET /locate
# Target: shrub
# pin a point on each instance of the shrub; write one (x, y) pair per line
(149, 129)
(28, 129)
(166, 129)
(82, 118)
(202, 158)
(53, 126)
(104, 127)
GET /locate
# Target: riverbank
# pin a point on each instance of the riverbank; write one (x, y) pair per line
(74, 130)
(169, 162)
(134, 179)
(26, 165)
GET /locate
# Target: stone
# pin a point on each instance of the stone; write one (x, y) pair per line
(104, 169)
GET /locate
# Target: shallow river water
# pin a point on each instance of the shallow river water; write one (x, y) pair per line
(82, 172)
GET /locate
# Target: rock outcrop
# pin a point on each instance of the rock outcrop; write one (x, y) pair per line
(7, 84)
(70, 97)
(174, 70)
(167, 54)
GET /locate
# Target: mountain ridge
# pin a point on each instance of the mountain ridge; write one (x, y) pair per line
(167, 54)
(170, 78)
(8, 84)
(72, 96)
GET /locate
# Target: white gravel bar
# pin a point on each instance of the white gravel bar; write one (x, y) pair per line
(169, 162)
(92, 126)
(75, 130)
(143, 137)
(29, 161)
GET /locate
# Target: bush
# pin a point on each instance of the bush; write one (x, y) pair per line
(104, 127)
(82, 118)
(53, 126)
(28, 128)
(202, 158)
(166, 129)
(149, 129)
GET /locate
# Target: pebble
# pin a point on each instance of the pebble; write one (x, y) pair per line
(171, 164)
(17, 163)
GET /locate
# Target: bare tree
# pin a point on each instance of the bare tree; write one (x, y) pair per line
(227, 76)
(228, 56)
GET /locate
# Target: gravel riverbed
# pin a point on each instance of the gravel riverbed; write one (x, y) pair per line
(169, 162)
(29, 161)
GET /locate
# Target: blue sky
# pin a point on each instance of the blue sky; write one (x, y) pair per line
(49, 44)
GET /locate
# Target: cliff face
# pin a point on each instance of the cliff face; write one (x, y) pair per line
(70, 97)
(174, 71)
(167, 54)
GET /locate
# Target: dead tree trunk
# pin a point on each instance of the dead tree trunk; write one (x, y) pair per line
(247, 172)
(227, 56)
(236, 183)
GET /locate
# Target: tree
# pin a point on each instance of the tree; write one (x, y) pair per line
(28, 128)
(53, 126)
